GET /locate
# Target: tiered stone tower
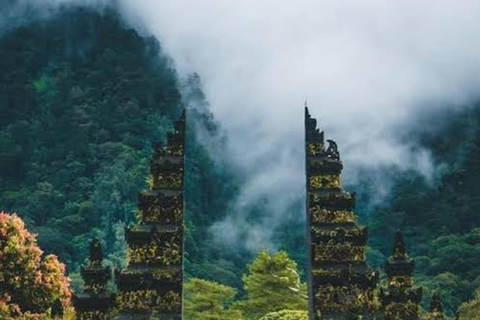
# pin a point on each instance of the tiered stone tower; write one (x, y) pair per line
(96, 302)
(151, 286)
(340, 284)
(400, 300)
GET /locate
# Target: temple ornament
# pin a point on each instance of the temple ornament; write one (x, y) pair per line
(332, 151)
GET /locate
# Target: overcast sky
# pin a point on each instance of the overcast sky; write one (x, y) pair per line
(363, 66)
(368, 69)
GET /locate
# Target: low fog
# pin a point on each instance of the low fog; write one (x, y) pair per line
(367, 71)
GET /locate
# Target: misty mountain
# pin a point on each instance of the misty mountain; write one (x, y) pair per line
(83, 100)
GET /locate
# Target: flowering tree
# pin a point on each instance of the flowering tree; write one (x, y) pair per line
(29, 284)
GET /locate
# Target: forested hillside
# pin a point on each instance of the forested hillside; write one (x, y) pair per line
(439, 216)
(83, 100)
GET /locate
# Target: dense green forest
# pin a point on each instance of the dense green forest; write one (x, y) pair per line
(438, 215)
(83, 100)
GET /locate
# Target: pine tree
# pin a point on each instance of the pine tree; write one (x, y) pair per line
(286, 315)
(209, 300)
(272, 284)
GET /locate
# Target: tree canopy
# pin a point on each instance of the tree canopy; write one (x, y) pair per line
(272, 283)
(209, 300)
(470, 310)
(286, 315)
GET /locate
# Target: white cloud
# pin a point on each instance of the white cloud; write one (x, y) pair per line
(367, 69)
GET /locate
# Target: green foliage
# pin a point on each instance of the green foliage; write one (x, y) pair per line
(41, 84)
(29, 284)
(452, 288)
(455, 253)
(438, 215)
(470, 310)
(83, 100)
(208, 300)
(286, 315)
(272, 284)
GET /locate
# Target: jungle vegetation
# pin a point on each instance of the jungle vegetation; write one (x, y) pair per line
(83, 100)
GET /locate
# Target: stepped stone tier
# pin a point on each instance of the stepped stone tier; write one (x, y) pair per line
(400, 300)
(151, 286)
(341, 286)
(95, 302)
(436, 309)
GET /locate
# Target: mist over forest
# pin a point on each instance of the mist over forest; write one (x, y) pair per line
(87, 89)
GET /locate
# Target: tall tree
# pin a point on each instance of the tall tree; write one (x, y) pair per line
(272, 283)
(286, 315)
(208, 300)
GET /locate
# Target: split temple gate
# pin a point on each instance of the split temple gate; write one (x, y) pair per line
(341, 285)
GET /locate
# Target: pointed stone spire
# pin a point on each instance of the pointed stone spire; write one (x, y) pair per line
(96, 276)
(399, 264)
(96, 302)
(400, 299)
(436, 308)
(312, 133)
(96, 253)
(436, 303)
(399, 253)
(179, 125)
